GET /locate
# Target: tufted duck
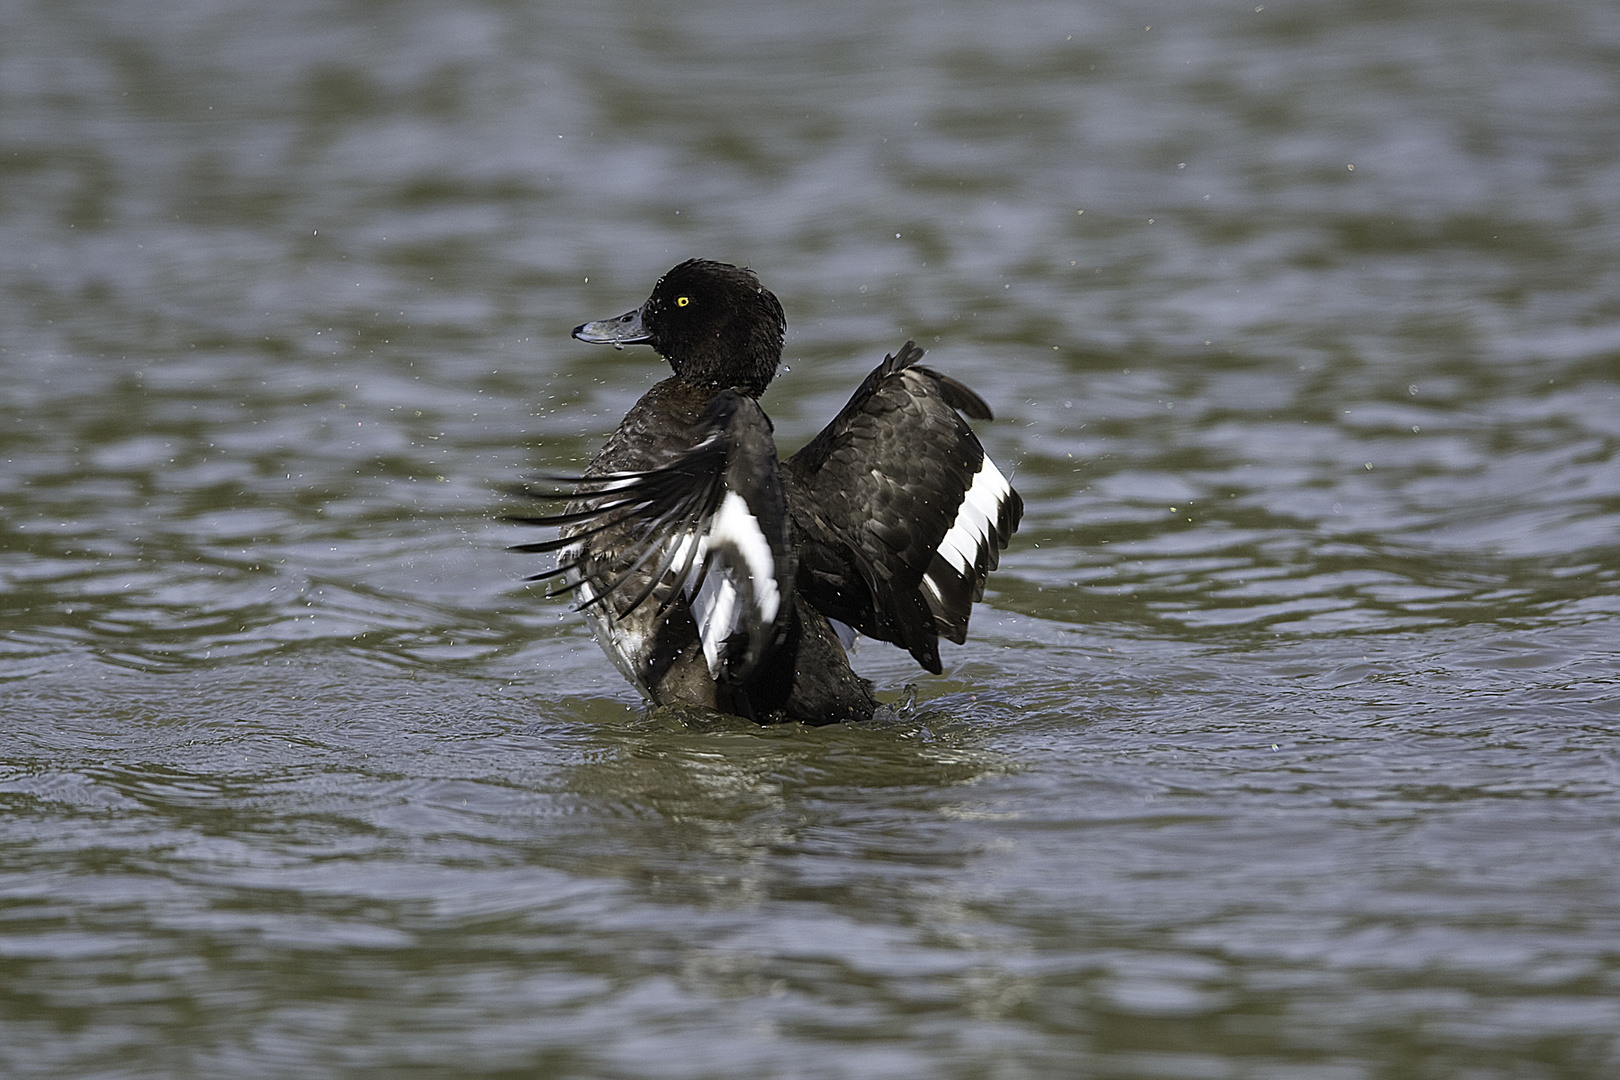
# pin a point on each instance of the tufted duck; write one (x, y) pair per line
(714, 573)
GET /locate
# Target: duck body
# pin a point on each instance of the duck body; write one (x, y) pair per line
(712, 572)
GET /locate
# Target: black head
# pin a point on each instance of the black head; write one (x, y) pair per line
(715, 323)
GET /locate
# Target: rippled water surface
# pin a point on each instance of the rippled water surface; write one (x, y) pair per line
(1284, 745)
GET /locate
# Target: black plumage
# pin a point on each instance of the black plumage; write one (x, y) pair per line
(710, 570)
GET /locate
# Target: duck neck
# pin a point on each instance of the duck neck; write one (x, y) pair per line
(750, 373)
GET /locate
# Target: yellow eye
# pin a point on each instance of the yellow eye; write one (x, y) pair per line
(682, 301)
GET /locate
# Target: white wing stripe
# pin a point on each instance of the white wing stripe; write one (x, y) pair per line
(933, 589)
(957, 549)
(716, 606)
(989, 490)
(679, 553)
(735, 526)
(969, 535)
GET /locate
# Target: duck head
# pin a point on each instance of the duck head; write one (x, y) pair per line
(715, 323)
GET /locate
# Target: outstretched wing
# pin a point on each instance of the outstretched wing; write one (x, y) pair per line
(707, 531)
(900, 514)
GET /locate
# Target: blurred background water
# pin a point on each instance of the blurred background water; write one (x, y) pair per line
(1284, 745)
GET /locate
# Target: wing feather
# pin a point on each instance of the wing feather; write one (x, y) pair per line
(707, 532)
(931, 515)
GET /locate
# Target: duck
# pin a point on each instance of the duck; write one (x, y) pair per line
(717, 574)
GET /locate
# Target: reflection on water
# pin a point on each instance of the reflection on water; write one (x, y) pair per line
(1281, 747)
(745, 815)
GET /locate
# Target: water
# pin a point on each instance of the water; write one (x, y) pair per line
(1284, 744)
